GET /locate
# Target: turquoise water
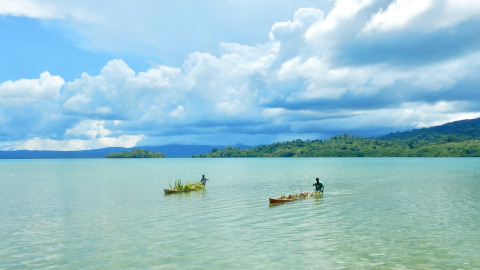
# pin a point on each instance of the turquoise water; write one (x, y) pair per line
(377, 213)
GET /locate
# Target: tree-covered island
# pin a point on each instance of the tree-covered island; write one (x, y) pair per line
(136, 153)
(456, 139)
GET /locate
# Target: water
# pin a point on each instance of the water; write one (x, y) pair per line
(377, 213)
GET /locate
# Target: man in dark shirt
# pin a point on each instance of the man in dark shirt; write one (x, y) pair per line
(203, 180)
(318, 186)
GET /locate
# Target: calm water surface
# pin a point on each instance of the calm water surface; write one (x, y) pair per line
(385, 213)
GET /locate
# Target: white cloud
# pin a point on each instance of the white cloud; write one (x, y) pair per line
(425, 115)
(456, 11)
(234, 107)
(321, 80)
(398, 14)
(73, 12)
(445, 74)
(161, 77)
(37, 143)
(302, 19)
(422, 15)
(87, 134)
(409, 114)
(90, 128)
(77, 103)
(104, 95)
(46, 88)
(155, 29)
(117, 71)
(273, 112)
(29, 8)
(121, 141)
(341, 23)
(178, 112)
(49, 144)
(103, 110)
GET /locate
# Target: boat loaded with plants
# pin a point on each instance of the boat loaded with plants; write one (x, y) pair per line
(294, 197)
(180, 187)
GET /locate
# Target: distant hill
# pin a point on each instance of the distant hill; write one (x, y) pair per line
(462, 130)
(171, 151)
(26, 154)
(455, 139)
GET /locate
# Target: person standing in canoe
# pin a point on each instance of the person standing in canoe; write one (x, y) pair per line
(318, 186)
(203, 180)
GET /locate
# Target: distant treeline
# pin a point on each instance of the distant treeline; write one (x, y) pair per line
(456, 139)
(136, 153)
(352, 146)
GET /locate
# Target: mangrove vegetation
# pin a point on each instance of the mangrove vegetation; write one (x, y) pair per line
(136, 153)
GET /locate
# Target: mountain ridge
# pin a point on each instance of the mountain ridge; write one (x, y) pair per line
(449, 135)
(465, 129)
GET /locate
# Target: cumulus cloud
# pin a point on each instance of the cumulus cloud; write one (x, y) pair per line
(37, 143)
(90, 128)
(302, 19)
(115, 89)
(422, 15)
(320, 79)
(398, 15)
(350, 70)
(45, 88)
(87, 134)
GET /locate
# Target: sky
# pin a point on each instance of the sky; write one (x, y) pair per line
(77, 75)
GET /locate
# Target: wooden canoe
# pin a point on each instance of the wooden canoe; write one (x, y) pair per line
(168, 191)
(171, 191)
(278, 200)
(303, 196)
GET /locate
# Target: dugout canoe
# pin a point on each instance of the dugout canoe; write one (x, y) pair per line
(172, 191)
(278, 200)
(169, 191)
(294, 197)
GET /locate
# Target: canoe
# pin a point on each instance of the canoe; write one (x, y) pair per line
(284, 199)
(278, 200)
(168, 191)
(171, 191)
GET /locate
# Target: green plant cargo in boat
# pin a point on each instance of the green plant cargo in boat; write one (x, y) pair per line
(179, 187)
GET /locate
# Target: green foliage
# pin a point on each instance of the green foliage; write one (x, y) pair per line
(136, 153)
(456, 139)
(179, 186)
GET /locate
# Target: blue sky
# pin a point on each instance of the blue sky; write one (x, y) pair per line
(86, 74)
